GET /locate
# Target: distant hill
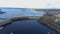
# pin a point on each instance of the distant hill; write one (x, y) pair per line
(47, 9)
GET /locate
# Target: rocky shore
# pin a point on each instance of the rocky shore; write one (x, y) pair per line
(50, 24)
(51, 19)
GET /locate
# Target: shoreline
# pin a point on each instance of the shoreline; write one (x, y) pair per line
(31, 18)
(52, 26)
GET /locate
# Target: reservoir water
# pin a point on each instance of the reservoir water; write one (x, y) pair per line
(24, 26)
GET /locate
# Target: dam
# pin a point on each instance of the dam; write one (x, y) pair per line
(24, 22)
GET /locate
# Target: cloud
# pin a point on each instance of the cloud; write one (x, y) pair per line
(30, 3)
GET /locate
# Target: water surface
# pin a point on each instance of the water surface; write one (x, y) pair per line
(24, 26)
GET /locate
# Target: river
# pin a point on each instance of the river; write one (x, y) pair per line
(24, 26)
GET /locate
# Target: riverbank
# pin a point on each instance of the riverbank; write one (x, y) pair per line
(17, 14)
(50, 24)
(26, 27)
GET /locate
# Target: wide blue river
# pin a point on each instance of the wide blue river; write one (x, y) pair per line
(24, 26)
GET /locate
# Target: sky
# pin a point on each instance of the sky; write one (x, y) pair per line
(30, 3)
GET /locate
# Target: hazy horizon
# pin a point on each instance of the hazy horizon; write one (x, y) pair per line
(30, 4)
